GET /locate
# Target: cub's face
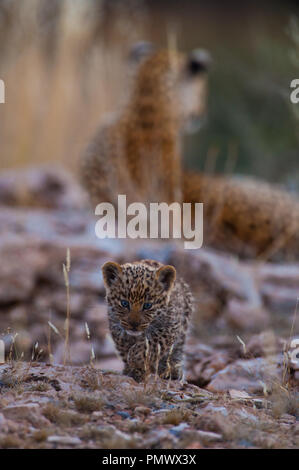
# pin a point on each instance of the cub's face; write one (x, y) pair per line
(137, 293)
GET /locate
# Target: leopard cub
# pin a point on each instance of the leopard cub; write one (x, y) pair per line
(149, 310)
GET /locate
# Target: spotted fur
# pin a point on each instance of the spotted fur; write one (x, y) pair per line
(149, 310)
(138, 154)
(244, 216)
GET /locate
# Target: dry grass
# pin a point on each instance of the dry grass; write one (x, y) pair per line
(66, 271)
(135, 398)
(41, 435)
(61, 417)
(9, 379)
(91, 379)
(107, 438)
(87, 403)
(14, 378)
(284, 401)
(39, 387)
(264, 433)
(117, 442)
(10, 442)
(63, 92)
(177, 416)
(89, 432)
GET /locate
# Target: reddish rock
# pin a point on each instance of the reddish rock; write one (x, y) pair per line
(195, 445)
(142, 410)
(244, 316)
(64, 440)
(3, 424)
(208, 437)
(115, 364)
(248, 375)
(48, 187)
(203, 362)
(263, 344)
(26, 411)
(80, 352)
(21, 261)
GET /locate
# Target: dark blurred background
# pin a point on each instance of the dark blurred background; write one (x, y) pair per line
(64, 65)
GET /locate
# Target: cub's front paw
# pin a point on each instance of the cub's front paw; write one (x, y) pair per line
(175, 372)
(136, 374)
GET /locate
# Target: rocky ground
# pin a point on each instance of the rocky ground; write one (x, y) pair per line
(45, 406)
(242, 389)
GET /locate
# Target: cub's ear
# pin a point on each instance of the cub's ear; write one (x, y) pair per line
(166, 276)
(140, 50)
(111, 273)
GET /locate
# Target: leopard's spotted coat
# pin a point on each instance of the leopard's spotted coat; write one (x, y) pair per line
(138, 153)
(148, 340)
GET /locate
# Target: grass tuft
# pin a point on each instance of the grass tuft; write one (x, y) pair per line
(176, 416)
(88, 404)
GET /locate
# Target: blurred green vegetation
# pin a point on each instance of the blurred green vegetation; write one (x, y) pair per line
(249, 104)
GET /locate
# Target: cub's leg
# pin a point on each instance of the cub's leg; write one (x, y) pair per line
(137, 374)
(171, 365)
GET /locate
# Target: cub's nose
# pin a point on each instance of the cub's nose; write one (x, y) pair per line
(134, 325)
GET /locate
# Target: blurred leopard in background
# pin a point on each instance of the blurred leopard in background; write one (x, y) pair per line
(138, 153)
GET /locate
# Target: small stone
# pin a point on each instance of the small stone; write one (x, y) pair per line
(111, 432)
(263, 344)
(238, 394)
(96, 415)
(162, 410)
(287, 419)
(12, 426)
(177, 430)
(3, 424)
(216, 409)
(123, 414)
(246, 375)
(106, 430)
(27, 411)
(243, 315)
(285, 426)
(143, 410)
(247, 416)
(208, 437)
(194, 445)
(64, 440)
(20, 411)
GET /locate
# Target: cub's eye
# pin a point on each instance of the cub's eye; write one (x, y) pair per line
(125, 304)
(147, 306)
